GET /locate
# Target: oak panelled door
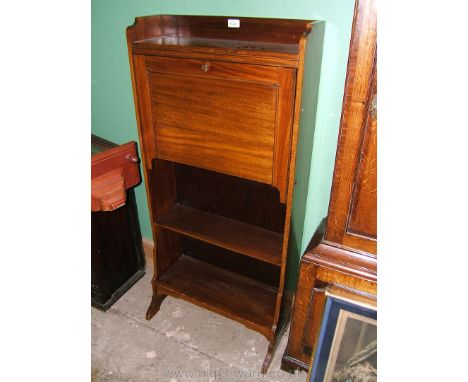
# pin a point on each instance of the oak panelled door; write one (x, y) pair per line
(362, 223)
(352, 219)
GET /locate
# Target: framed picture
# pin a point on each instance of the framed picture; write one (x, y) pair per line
(346, 350)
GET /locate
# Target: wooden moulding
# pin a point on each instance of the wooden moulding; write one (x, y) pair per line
(343, 260)
(331, 255)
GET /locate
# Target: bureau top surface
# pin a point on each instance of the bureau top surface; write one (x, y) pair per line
(218, 34)
(170, 42)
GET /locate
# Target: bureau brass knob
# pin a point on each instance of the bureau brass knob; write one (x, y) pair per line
(131, 158)
(205, 67)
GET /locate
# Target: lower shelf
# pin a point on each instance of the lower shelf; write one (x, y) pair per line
(245, 300)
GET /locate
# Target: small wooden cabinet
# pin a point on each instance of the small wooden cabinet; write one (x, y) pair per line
(218, 116)
(343, 251)
(117, 258)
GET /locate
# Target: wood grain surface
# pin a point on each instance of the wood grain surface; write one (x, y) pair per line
(238, 297)
(359, 92)
(239, 237)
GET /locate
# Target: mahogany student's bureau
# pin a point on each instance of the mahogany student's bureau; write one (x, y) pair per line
(218, 102)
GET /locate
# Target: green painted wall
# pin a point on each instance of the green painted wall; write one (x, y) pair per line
(309, 108)
(113, 115)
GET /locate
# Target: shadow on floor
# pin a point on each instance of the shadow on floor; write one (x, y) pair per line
(183, 342)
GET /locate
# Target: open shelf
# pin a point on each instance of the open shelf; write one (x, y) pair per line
(243, 299)
(236, 236)
(167, 42)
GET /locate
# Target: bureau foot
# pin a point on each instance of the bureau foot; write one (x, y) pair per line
(291, 365)
(269, 356)
(155, 305)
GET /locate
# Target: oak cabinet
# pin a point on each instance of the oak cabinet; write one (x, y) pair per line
(218, 116)
(343, 251)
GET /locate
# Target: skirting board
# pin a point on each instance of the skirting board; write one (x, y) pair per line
(148, 246)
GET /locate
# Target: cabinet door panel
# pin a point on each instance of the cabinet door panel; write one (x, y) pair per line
(363, 219)
(221, 116)
(215, 124)
(361, 227)
(352, 212)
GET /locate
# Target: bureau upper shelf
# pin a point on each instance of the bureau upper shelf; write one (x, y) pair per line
(214, 45)
(233, 235)
(252, 37)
